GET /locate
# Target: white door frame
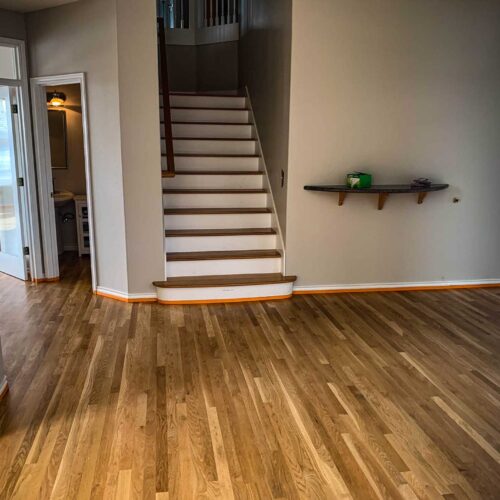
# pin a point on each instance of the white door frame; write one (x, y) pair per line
(29, 202)
(44, 170)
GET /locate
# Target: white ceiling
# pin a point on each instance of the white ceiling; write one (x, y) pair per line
(31, 5)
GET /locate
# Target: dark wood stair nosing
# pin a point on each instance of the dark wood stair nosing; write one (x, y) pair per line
(218, 172)
(216, 211)
(223, 255)
(206, 109)
(212, 155)
(197, 233)
(217, 281)
(229, 139)
(214, 191)
(183, 94)
(211, 123)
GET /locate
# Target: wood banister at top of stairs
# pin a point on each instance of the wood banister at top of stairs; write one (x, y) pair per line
(167, 116)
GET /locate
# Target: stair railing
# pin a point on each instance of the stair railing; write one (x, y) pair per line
(167, 115)
(198, 22)
(219, 12)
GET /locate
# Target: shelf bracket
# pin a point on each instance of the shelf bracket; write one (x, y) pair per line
(341, 198)
(421, 197)
(382, 197)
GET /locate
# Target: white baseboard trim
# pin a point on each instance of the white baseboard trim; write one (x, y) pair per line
(126, 297)
(4, 387)
(424, 285)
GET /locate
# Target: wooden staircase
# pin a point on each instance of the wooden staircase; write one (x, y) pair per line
(221, 238)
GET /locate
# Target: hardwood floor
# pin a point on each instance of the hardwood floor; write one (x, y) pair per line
(377, 395)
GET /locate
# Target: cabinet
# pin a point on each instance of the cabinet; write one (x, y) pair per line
(82, 225)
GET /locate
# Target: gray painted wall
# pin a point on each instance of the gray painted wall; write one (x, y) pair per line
(118, 55)
(12, 25)
(402, 89)
(204, 67)
(264, 66)
(60, 42)
(140, 143)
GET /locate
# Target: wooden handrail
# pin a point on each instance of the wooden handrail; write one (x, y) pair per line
(167, 116)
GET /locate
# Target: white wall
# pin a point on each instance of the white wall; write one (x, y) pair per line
(264, 67)
(403, 89)
(113, 42)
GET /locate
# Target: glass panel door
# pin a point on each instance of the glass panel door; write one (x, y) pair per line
(12, 260)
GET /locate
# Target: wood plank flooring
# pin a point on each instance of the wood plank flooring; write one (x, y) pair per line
(376, 395)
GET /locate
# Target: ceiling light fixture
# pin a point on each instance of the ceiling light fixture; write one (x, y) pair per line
(56, 99)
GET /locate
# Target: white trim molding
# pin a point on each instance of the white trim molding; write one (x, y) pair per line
(267, 184)
(31, 224)
(409, 286)
(125, 297)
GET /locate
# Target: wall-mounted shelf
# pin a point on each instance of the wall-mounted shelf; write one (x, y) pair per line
(383, 191)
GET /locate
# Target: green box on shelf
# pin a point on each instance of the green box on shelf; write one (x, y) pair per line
(359, 180)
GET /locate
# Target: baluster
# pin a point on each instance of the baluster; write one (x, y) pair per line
(235, 18)
(182, 14)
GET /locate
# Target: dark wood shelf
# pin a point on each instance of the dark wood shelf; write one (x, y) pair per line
(383, 191)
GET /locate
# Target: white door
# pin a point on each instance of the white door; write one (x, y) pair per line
(12, 259)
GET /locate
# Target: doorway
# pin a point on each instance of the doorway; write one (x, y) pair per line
(17, 182)
(63, 169)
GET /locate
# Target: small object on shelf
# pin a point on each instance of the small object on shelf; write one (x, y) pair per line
(421, 182)
(383, 191)
(359, 180)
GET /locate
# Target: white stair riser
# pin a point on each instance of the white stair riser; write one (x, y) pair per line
(218, 131)
(167, 295)
(206, 102)
(210, 115)
(213, 163)
(218, 221)
(207, 147)
(223, 267)
(236, 200)
(214, 182)
(220, 243)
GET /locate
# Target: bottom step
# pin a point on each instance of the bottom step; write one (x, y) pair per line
(224, 288)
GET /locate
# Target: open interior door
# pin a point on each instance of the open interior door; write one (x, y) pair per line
(12, 258)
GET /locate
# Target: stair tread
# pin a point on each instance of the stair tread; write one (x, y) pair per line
(214, 172)
(212, 123)
(214, 191)
(225, 280)
(208, 94)
(225, 255)
(259, 231)
(212, 155)
(207, 109)
(215, 211)
(231, 139)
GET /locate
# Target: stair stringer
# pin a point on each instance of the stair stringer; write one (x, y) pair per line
(275, 223)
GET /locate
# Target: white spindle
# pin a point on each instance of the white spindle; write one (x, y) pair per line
(234, 11)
